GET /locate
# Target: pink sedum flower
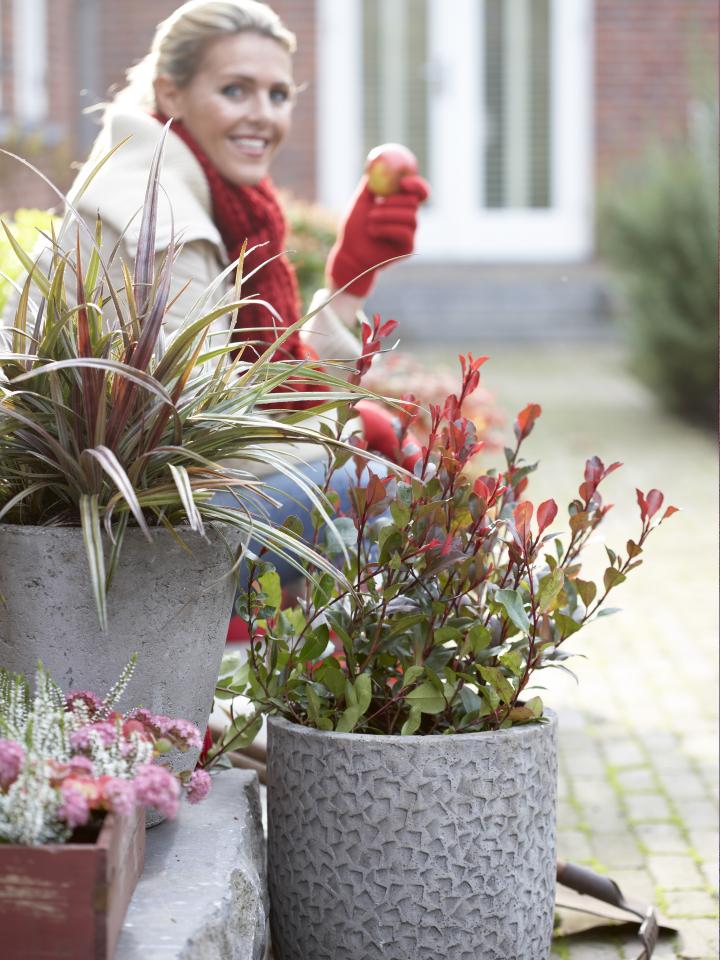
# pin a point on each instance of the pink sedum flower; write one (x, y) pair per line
(12, 755)
(81, 765)
(120, 796)
(198, 786)
(74, 809)
(182, 732)
(80, 739)
(156, 787)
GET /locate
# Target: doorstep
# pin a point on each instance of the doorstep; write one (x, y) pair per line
(203, 891)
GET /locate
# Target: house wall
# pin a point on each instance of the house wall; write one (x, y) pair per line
(81, 74)
(649, 54)
(645, 54)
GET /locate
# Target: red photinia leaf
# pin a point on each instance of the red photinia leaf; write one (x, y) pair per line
(431, 545)
(481, 489)
(472, 364)
(612, 468)
(446, 546)
(522, 514)
(642, 503)
(546, 513)
(654, 501)
(594, 470)
(669, 512)
(520, 486)
(586, 490)
(376, 489)
(526, 420)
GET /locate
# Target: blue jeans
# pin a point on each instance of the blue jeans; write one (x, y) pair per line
(294, 502)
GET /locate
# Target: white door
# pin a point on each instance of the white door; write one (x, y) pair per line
(494, 97)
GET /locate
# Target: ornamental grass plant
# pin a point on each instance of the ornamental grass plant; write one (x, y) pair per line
(104, 424)
(464, 592)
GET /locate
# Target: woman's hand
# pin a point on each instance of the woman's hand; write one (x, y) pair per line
(375, 229)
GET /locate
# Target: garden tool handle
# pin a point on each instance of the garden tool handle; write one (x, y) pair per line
(592, 884)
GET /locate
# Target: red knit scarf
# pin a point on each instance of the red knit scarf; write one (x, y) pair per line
(253, 213)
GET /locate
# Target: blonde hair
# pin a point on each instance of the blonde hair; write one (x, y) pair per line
(180, 41)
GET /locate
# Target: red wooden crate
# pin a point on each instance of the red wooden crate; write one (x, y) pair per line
(67, 901)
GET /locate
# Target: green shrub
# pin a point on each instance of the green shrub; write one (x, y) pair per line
(658, 231)
(311, 233)
(25, 225)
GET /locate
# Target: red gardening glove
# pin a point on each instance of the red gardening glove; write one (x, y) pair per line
(380, 432)
(375, 229)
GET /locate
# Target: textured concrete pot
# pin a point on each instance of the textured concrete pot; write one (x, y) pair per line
(411, 848)
(170, 606)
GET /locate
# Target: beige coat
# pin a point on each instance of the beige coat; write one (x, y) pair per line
(117, 192)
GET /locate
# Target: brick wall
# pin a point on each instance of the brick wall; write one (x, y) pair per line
(646, 53)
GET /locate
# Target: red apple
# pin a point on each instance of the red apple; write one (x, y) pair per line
(386, 165)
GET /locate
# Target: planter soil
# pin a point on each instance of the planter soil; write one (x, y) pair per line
(411, 848)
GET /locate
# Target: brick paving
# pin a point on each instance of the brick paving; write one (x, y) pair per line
(639, 732)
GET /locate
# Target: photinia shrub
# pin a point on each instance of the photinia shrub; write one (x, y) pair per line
(463, 590)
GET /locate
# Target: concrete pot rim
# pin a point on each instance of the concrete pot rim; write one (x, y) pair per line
(42, 529)
(520, 732)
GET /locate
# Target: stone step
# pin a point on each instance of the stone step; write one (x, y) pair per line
(203, 895)
(460, 303)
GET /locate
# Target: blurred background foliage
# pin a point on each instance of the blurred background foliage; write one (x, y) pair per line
(658, 231)
(24, 225)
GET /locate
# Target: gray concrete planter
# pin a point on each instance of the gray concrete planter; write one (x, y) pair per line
(411, 848)
(170, 606)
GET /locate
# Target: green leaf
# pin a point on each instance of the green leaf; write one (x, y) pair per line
(511, 601)
(513, 661)
(405, 623)
(426, 698)
(324, 723)
(331, 676)
(477, 639)
(587, 590)
(348, 720)
(322, 594)
(550, 587)
(470, 700)
(315, 644)
(341, 530)
(412, 674)
(271, 588)
(535, 705)
(236, 741)
(363, 691)
(633, 549)
(612, 577)
(439, 657)
(412, 722)
(445, 634)
(498, 682)
(293, 525)
(313, 704)
(400, 513)
(566, 624)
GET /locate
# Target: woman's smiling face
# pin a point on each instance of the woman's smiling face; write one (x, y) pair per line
(238, 104)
